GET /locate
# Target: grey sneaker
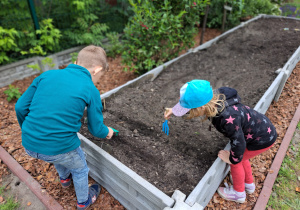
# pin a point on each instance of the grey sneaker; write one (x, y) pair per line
(228, 193)
(249, 188)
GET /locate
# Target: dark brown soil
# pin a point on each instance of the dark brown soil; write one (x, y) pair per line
(245, 60)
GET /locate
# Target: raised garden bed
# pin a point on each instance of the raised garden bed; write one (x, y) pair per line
(245, 60)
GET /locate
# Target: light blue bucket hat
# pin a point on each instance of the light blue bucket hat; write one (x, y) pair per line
(193, 94)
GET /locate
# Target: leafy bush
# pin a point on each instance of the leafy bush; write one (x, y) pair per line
(74, 56)
(64, 24)
(240, 9)
(254, 8)
(158, 31)
(12, 93)
(279, 2)
(46, 61)
(87, 32)
(48, 41)
(7, 43)
(114, 47)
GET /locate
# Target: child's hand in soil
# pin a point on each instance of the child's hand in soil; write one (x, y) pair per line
(224, 155)
(168, 113)
(110, 133)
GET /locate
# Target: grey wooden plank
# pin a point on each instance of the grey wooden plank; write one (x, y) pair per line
(125, 174)
(208, 185)
(107, 175)
(107, 180)
(265, 101)
(287, 69)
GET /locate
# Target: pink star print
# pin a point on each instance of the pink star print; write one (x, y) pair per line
(230, 120)
(249, 136)
(237, 127)
(232, 153)
(258, 121)
(235, 108)
(235, 159)
(258, 138)
(248, 116)
(247, 107)
(249, 130)
(269, 130)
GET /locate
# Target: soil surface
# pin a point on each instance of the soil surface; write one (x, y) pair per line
(245, 60)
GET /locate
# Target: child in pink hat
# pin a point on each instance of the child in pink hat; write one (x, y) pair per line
(250, 132)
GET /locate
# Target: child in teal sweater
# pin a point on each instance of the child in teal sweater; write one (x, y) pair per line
(50, 112)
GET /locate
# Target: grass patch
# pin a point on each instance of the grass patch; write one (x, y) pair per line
(284, 195)
(9, 203)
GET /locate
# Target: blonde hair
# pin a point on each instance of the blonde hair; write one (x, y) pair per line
(211, 109)
(92, 56)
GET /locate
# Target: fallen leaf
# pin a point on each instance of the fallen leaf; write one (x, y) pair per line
(215, 199)
(1, 199)
(29, 203)
(297, 189)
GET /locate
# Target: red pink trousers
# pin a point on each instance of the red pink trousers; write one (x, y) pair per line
(242, 173)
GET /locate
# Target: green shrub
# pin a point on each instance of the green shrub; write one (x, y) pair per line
(88, 31)
(158, 31)
(63, 24)
(7, 43)
(279, 2)
(240, 9)
(74, 56)
(46, 61)
(114, 47)
(85, 27)
(48, 39)
(12, 93)
(257, 7)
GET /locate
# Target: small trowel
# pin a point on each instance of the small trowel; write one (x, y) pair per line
(115, 131)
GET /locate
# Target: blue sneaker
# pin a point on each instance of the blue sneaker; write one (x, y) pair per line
(66, 182)
(94, 192)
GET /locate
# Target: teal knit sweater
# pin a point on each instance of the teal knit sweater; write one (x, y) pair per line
(50, 110)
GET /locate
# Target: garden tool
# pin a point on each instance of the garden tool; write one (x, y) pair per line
(165, 127)
(115, 131)
(108, 148)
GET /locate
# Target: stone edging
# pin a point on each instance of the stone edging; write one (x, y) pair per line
(49, 202)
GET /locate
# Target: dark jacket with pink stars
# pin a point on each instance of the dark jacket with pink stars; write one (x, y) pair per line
(245, 127)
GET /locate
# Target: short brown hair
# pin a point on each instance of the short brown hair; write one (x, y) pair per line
(92, 56)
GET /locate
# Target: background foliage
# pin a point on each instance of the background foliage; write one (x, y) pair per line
(240, 9)
(159, 30)
(146, 32)
(63, 24)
